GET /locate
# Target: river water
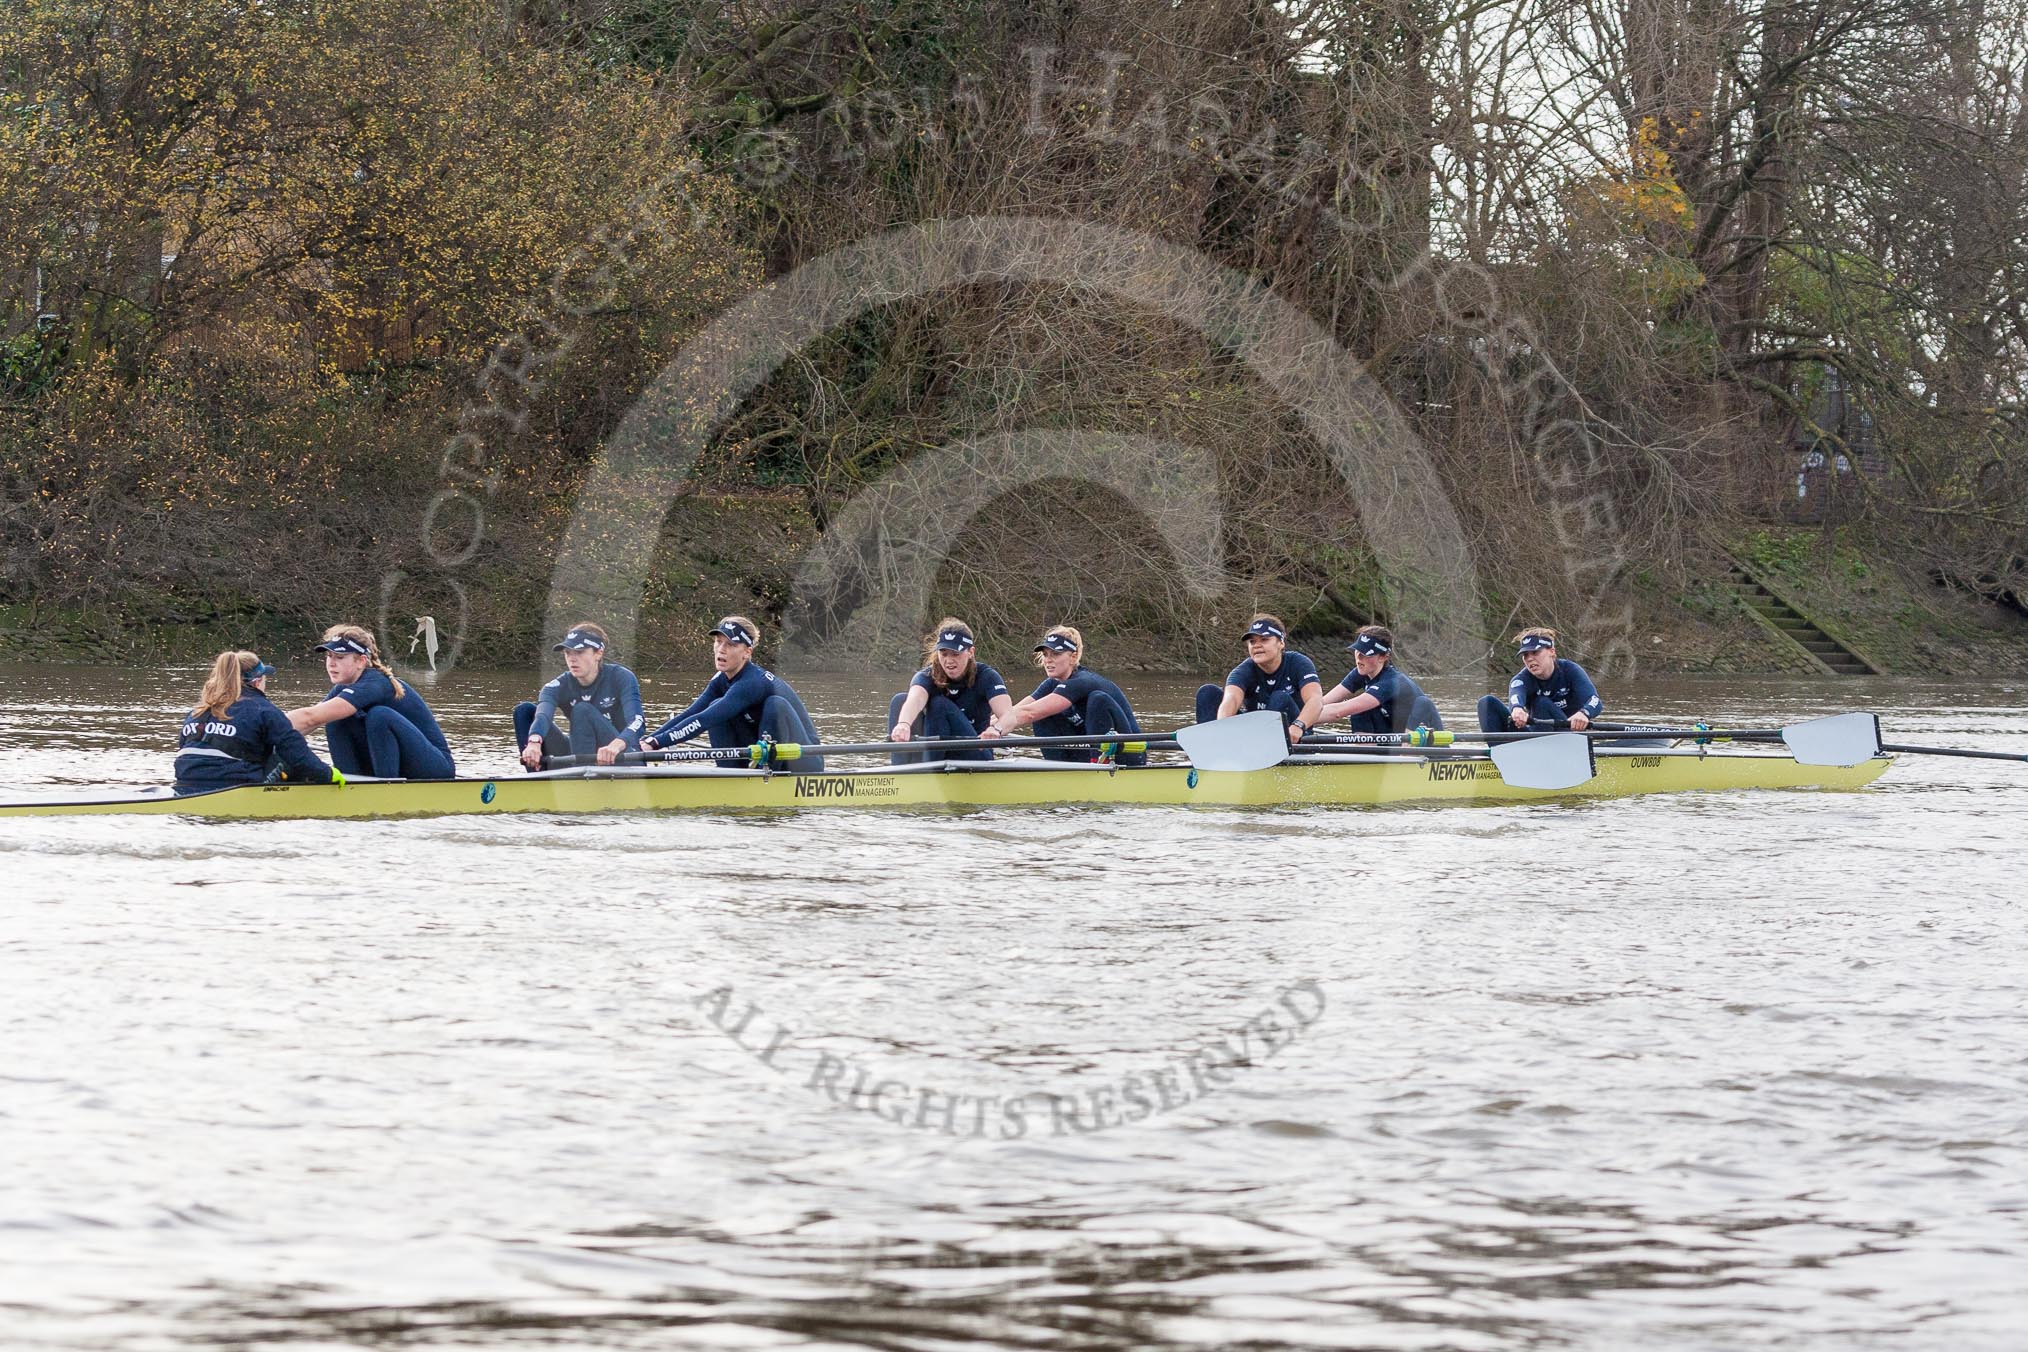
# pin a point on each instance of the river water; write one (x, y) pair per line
(1728, 1071)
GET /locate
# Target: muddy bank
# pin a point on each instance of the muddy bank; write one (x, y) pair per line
(749, 553)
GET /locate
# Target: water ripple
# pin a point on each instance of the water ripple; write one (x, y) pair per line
(1730, 1071)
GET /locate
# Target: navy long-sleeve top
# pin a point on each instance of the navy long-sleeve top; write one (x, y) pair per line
(214, 752)
(374, 689)
(733, 704)
(614, 692)
(974, 700)
(1567, 689)
(1396, 692)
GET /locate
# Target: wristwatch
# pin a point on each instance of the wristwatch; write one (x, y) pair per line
(1299, 723)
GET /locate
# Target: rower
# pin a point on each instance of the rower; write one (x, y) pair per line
(1548, 690)
(742, 703)
(601, 700)
(1071, 701)
(235, 734)
(953, 696)
(1375, 696)
(1272, 677)
(374, 723)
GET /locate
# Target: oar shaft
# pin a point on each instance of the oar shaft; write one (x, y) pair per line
(781, 751)
(1964, 752)
(1123, 742)
(1606, 733)
(688, 753)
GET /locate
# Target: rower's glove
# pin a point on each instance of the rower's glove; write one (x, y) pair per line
(337, 777)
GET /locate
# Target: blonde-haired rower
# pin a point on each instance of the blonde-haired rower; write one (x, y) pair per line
(373, 723)
(235, 734)
(1071, 701)
(1548, 690)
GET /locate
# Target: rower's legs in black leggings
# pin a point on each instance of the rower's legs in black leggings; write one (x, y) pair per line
(1209, 697)
(785, 719)
(726, 738)
(782, 719)
(589, 729)
(345, 739)
(941, 718)
(1102, 715)
(914, 730)
(1421, 713)
(1493, 715)
(399, 748)
(1287, 705)
(1368, 723)
(382, 743)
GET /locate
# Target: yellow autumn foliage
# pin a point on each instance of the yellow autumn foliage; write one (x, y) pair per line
(1646, 192)
(1641, 215)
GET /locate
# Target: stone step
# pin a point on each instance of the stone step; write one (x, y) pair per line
(1795, 626)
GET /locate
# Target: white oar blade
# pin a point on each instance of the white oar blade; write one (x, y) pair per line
(1252, 741)
(1556, 760)
(1842, 739)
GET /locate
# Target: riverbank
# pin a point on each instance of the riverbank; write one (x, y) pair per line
(743, 552)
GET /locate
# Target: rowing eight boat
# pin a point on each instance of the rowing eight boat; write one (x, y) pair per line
(1324, 780)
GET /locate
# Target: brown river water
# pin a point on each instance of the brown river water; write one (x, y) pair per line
(1740, 1070)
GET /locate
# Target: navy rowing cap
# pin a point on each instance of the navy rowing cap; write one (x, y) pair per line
(577, 640)
(341, 645)
(1056, 643)
(258, 670)
(955, 641)
(1264, 629)
(1535, 643)
(736, 632)
(1366, 646)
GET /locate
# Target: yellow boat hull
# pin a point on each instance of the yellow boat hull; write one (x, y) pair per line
(1350, 781)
